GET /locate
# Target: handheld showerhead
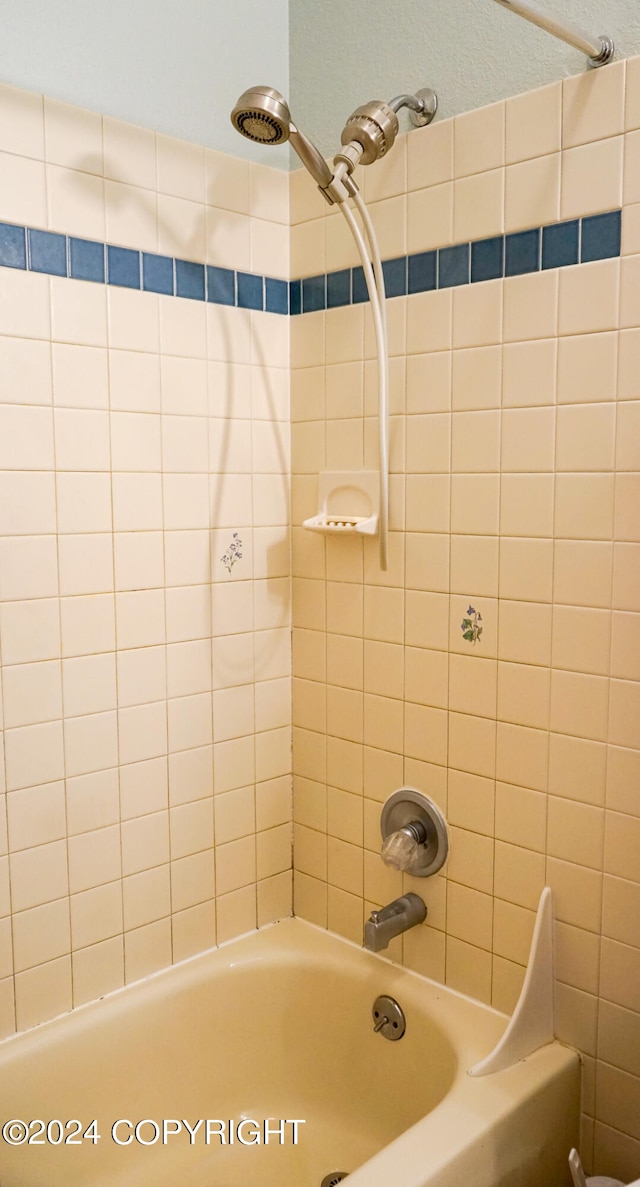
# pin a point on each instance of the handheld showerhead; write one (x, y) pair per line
(262, 115)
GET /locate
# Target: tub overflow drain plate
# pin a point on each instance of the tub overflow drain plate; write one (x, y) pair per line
(388, 1018)
(333, 1178)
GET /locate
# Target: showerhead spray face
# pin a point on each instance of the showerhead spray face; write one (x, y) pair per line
(262, 115)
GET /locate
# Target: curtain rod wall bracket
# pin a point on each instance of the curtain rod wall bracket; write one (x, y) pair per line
(599, 50)
(606, 53)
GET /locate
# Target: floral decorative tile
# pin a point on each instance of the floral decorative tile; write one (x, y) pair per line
(233, 552)
(471, 625)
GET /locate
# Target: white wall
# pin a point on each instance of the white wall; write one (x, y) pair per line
(178, 65)
(344, 52)
(173, 65)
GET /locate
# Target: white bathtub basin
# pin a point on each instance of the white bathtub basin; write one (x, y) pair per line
(278, 1026)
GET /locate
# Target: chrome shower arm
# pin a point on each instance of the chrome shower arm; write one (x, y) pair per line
(423, 106)
(599, 50)
(411, 101)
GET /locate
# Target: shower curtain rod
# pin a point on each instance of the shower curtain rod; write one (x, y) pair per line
(599, 50)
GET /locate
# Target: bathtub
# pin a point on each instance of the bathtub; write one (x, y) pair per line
(268, 1043)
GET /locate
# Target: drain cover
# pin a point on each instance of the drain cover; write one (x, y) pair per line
(388, 1017)
(333, 1178)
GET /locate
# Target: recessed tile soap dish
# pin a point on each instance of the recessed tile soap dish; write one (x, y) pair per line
(347, 499)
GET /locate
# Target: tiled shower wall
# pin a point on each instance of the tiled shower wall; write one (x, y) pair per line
(515, 507)
(145, 655)
(145, 658)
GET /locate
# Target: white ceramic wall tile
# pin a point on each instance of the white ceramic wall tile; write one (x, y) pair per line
(83, 502)
(29, 630)
(129, 153)
(90, 743)
(39, 875)
(430, 155)
(180, 168)
(26, 435)
(23, 184)
(80, 376)
(478, 205)
(75, 202)
(82, 440)
(25, 371)
(592, 178)
(593, 105)
(27, 503)
(269, 193)
(226, 181)
(78, 312)
(24, 304)
(73, 136)
(87, 624)
(130, 216)
(429, 218)
(269, 248)
(588, 298)
(534, 124)
(22, 122)
(146, 896)
(86, 564)
(479, 140)
(532, 193)
(32, 693)
(92, 801)
(89, 684)
(41, 935)
(137, 502)
(36, 816)
(43, 992)
(134, 381)
(29, 567)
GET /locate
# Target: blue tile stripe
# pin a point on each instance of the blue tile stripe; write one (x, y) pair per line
(556, 245)
(578, 241)
(34, 250)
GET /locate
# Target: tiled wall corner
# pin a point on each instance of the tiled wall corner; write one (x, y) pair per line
(147, 490)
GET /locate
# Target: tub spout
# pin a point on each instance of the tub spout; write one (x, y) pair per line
(384, 925)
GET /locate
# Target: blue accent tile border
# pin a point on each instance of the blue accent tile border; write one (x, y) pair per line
(250, 290)
(557, 245)
(123, 267)
(314, 293)
(579, 241)
(13, 246)
(487, 259)
(47, 252)
(601, 236)
(157, 274)
(453, 265)
(422, 272)
(86, 260)
(561, 244)
(190, 280)
(522, 252)
(338, 288)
